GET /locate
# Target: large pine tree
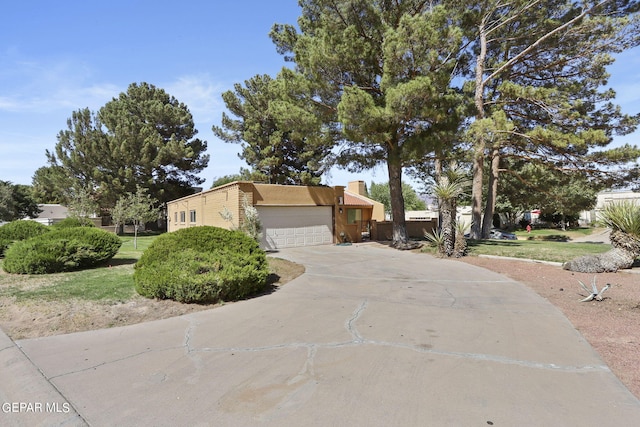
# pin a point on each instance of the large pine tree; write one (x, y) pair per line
(145, 138)
(280, 127)
(385, 69)
(538, 85)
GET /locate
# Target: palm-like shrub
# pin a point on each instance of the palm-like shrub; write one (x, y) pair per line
(624, 221)
(436, 238)
(449, 186)
(201, 264)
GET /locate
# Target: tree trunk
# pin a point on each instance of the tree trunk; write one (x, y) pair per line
(492, 194)
(448, 226)
(479, 146)
(394, 166)
(626, 249)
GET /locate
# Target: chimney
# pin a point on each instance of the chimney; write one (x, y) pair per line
(357, 187)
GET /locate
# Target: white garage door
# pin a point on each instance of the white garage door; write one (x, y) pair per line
(291, 226)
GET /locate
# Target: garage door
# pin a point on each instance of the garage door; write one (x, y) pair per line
(291, 226)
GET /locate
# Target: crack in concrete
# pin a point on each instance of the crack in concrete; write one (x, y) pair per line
(407, 279)
(350, 322)
(108, 362)
(357, 340)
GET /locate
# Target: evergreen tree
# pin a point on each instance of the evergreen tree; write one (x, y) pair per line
(280, 128)
(142, 138)
(17, 202)
(385, 69)
(537, 86)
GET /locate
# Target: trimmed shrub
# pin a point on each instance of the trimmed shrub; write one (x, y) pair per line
(74, 221)
(19, 230)
(61, 250)
(201, 264)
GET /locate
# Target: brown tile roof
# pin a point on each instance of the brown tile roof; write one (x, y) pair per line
(351, 199)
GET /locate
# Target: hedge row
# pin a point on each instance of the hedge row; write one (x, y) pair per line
(60, 250)
(201, 264)
(19, 230)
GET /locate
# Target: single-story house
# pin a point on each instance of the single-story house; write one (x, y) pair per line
(51, 213)
(290, 215)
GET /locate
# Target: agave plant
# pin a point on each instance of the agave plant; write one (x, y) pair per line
(624, 221)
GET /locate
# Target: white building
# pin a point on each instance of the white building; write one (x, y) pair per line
(604, 199)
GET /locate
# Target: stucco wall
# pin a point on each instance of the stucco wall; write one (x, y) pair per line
(209, 204)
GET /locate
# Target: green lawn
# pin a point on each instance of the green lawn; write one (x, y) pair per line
(107, 284)
(541, 244)
(555, 233)
(543, 250)
(110, 283)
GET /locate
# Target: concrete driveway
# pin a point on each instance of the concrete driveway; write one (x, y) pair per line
(368, 336)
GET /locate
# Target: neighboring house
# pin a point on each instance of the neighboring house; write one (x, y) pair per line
(606, 198)
(51, 213)
(463, 215)
(291, 215)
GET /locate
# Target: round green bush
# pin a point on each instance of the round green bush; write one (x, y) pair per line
(74, 221)
(201, 264)
(19, 230)
(61, 250)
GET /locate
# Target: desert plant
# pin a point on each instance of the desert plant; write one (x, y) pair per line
(448, 187)
(624, 221)
(437, 239)
(251, 225)
(201, 264)
(460, 248)
(60, 250)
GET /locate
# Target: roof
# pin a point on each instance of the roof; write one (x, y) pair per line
(351, 199)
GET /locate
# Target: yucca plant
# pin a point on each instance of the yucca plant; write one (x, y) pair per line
(451, 185)
(437, 239)
(623, 219)
(460, 247)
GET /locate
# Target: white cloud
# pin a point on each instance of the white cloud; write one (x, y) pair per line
(44, 87)
(202, 95)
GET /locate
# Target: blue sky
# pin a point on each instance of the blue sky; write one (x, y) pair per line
(58, 57)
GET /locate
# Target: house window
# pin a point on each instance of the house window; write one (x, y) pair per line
(192, 216)
(182, 216)
(175, 217)
(354, 216)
